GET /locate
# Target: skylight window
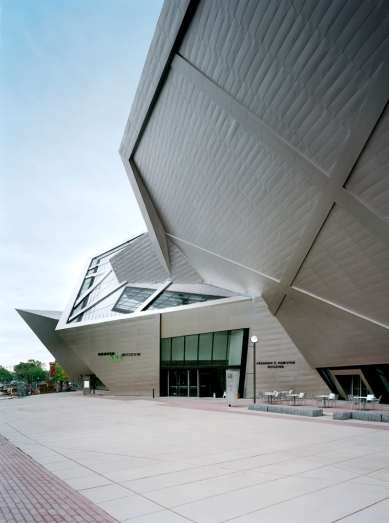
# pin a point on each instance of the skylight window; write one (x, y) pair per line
(131, 299)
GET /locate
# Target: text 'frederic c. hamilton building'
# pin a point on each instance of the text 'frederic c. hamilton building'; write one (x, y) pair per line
(258, 150)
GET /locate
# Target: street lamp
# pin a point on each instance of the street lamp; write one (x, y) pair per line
(254, 341)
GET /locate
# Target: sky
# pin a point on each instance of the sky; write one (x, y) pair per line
(69, 73)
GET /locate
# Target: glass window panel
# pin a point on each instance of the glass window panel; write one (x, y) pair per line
(178, 351)
(191, 346)
(205, 348)
(173, 382)
(175, 299)
(183, 383)
(235, 345)
(166, 352)
(193, 382)
(131, 298)
(219, 355)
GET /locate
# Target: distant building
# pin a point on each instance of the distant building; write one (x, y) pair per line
(258, 150)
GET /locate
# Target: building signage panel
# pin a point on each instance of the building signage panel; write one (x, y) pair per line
(232, 383)
(113, 356)
(276, 364)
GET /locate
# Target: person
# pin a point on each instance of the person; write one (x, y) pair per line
(21, 391)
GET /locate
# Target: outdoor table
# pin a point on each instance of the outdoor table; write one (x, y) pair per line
(324, 398)
(294, 396)
(362, 399)
(269, 396)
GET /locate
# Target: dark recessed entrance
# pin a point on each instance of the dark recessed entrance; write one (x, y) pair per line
(195, 365)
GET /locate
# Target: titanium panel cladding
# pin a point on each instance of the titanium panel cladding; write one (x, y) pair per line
(214, 185)
(349, 266)
(304, 68)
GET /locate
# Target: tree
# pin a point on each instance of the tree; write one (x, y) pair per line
(32, 370)
(60, 374)
(35, 374)
(5, 375)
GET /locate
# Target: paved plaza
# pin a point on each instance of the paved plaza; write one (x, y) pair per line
(141, 460)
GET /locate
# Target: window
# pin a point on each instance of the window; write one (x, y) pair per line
(191, 349)
(178, 348)
(216, 349)
(131, 298)
(166, 350)
(175, 299)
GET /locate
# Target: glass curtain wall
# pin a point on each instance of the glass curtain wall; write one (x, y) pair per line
(195, 365)
(358, 380)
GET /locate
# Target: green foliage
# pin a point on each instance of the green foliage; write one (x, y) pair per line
(35, 374)
(60, 374)
(5, 375)
(29, 371)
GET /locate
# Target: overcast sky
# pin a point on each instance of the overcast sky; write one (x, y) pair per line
(69, 73)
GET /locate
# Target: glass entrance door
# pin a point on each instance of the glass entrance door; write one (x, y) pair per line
(183, 387)
(352, 384)
(182, 382)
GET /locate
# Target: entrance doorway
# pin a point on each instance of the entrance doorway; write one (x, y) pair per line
(182, 382)
(351, 383)
(194, 383)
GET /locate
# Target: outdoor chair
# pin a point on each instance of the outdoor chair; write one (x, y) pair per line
(370, 399)
(317, 399)
(277, 396)
(261, 396)
(376, 401)
(301, 398)
(354, 400)
(331, 399)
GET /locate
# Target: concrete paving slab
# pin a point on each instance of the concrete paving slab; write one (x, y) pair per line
(181, 477)
(205, 462)
(107, 493)
(164, 516)
(86, 482)
(339, 501)
(369, 514)
(129, 507)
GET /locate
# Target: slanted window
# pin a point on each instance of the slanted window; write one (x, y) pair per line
(131, 299)
(175, 299)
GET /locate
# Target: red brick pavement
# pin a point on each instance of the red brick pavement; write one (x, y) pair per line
(29, 492)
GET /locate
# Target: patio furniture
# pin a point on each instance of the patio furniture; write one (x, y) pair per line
(268, 396)
(301, 398)
(362, 401)
(277, 396)
(354, 400)
(376, 401)
(293, 397)
(369, 399)
(317, 399)
(331, 399)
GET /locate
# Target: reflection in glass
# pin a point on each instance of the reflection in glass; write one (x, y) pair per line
(205, 349)
(183, 382)
(166, 352)
(219, 354)
(235, 347)
(131, 298)
(193, 383)
(173, 382)
(178, 351)
(175, 299)
(191, 347)
(218, 349)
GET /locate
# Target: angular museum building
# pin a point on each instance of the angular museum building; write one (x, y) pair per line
(258, 150)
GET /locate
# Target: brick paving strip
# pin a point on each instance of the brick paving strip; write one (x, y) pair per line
(29, 492)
